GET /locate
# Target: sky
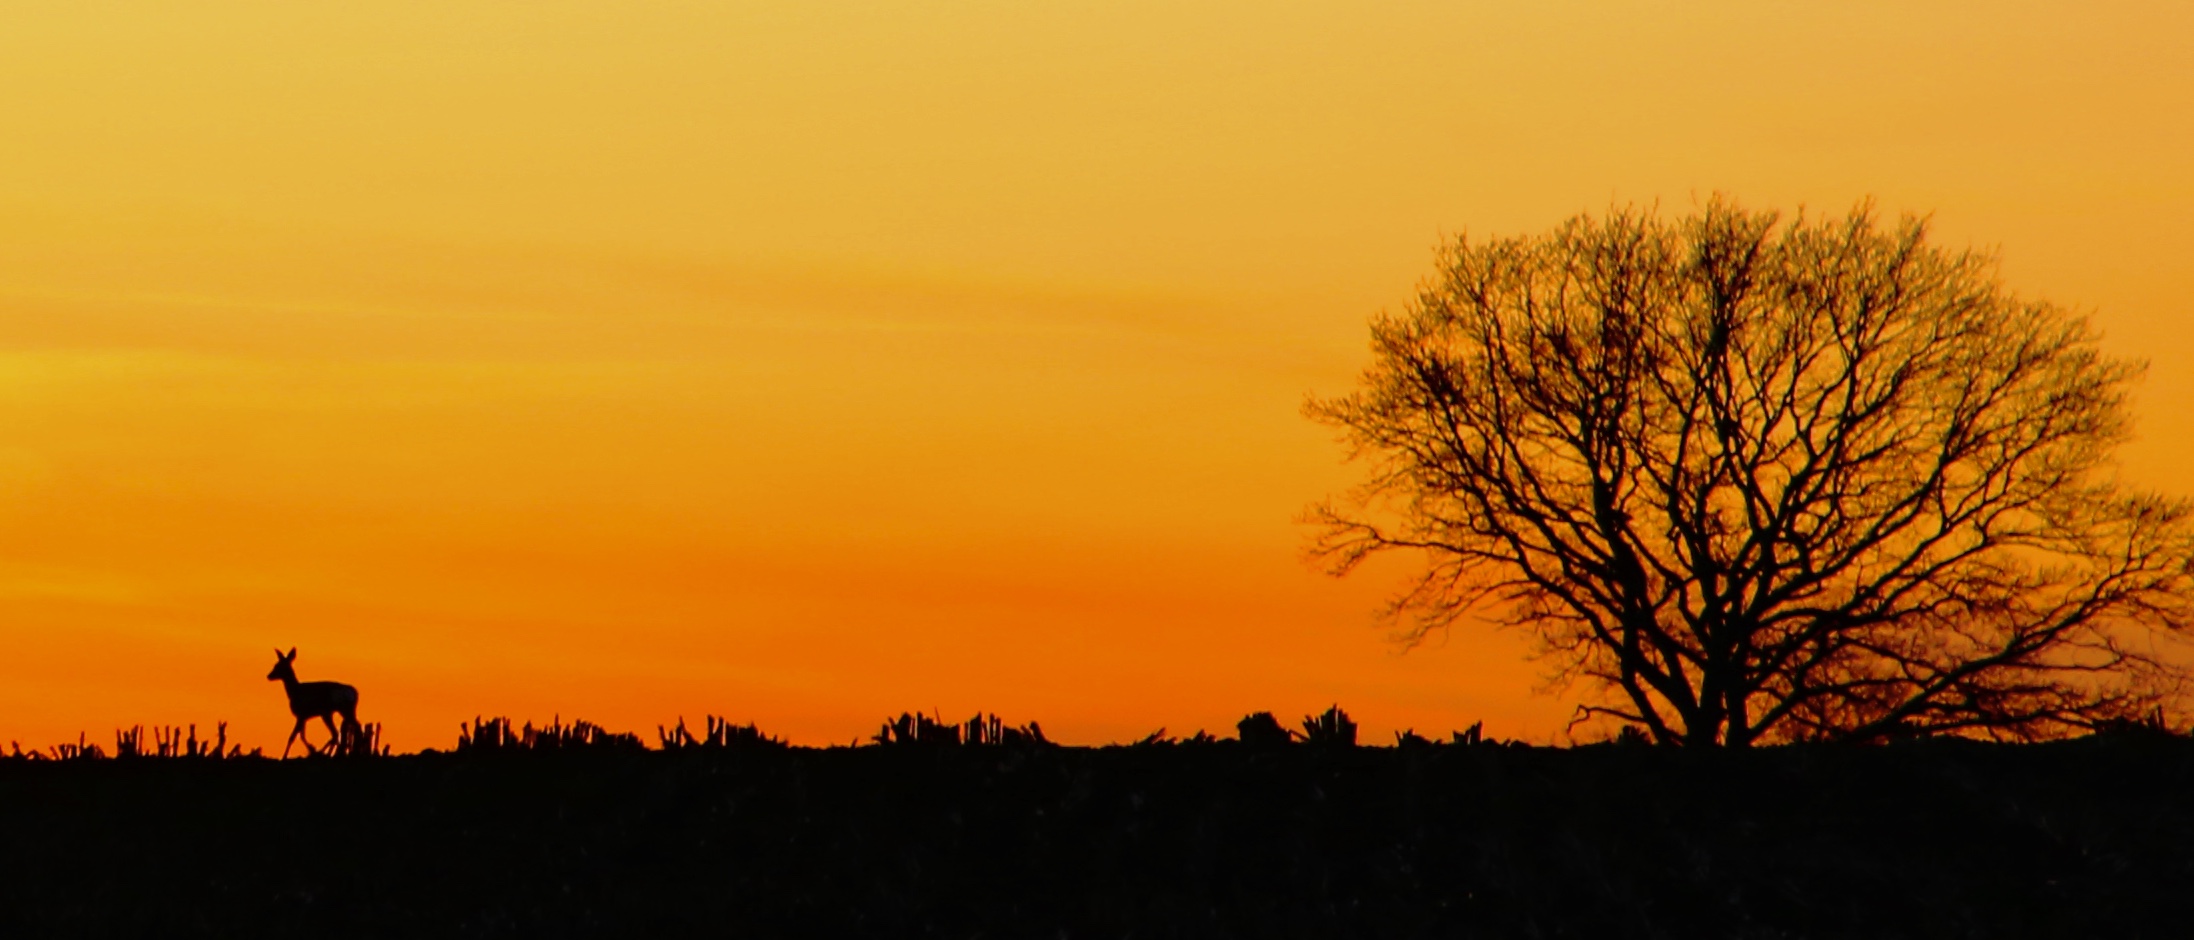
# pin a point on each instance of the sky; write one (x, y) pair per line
(810, 362)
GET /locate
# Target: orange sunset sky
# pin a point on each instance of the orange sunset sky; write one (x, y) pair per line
(807, 362)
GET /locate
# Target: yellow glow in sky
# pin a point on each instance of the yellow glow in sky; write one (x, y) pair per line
(811, 362)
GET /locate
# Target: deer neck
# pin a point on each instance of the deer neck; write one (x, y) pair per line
(289, 685)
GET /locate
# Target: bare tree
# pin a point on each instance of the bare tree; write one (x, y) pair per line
(1767, 481)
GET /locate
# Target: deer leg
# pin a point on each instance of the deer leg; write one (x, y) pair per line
(335, 736)
(294, 734)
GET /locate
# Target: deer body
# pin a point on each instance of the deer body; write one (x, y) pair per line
(309, 700)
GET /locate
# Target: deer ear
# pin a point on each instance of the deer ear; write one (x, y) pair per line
(292, 653)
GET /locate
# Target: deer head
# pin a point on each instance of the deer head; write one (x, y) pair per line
(282, 667)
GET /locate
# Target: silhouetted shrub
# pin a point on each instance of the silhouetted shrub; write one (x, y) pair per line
(2153, 724)
(81, 750)
(1159, 738)
(1261, 729)
(78, 751)
(172, 742)
(178, 742)
(1468, 737)
(496, 734)
(916, 728)
(990, 729)
(1332, 729)
(132, 743)
(721, 734)
(359, 740)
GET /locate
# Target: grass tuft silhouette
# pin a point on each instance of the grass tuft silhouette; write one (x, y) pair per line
(495, 735)
(719, 734)
(133, 743)
(1262, 730)
(915, 728)
(1332, 729)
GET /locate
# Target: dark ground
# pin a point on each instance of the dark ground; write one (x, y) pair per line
(2089, 838)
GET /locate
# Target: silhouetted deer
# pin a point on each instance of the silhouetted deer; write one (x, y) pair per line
(309, 700)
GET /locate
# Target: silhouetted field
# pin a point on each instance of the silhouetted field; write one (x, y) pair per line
(730, 833)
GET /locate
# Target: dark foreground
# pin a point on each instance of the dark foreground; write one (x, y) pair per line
(2091, 838)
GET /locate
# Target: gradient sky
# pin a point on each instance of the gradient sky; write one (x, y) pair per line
(808, 362)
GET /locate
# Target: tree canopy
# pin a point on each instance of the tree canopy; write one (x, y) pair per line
(1753, 479)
